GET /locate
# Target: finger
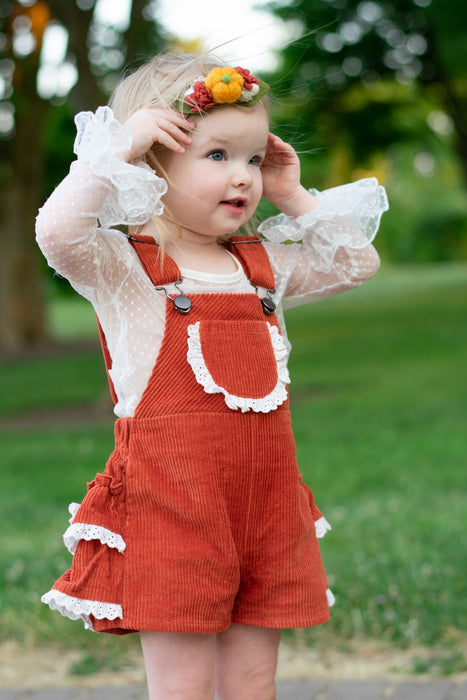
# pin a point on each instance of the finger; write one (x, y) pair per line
(171, 136)
(275, 140)
(275, 146)
(178, 135)
(183, 124)
(179, 120)
(171, 143)
(174, 140)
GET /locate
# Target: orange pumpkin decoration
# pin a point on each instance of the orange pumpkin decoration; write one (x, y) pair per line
(225, 85)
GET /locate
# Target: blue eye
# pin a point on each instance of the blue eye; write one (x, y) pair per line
(216, 155)
(255, 160)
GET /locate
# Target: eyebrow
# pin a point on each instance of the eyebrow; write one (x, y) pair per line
(213, 141)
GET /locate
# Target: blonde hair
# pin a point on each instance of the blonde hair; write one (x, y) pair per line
(158, 84)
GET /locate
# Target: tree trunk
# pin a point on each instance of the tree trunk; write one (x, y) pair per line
(144, 37)
(86, 94)
(22, 317)
(22, 308)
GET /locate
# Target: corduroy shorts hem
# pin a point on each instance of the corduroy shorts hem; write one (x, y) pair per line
(184, 627)
(281, 623)
(187, 627)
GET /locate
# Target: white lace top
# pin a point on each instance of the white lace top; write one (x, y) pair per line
(331, 253)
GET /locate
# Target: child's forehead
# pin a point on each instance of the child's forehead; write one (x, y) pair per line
(230, 124)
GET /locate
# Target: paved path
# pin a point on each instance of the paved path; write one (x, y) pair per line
(435, 689)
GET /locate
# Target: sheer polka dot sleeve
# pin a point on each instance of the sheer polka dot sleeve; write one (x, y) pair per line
(66, 228)
(134, 190)
(329, 249)
(101, 190)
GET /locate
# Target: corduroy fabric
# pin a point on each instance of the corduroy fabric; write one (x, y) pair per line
(251, 254)
(230, 363)
(161, 269)
(218, 525)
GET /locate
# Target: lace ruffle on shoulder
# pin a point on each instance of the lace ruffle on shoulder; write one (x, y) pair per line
(348, 217)
(135, 190)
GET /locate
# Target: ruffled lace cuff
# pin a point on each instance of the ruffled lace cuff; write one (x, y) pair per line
(348, 216)
(135, 190)
(77, 608)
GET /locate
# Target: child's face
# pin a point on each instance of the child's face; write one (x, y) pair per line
(216, 185)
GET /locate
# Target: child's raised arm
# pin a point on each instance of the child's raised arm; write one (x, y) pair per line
(104, 188)
(333, 230)
(281, 179)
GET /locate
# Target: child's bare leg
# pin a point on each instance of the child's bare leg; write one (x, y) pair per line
(179, 666)
(246, 661)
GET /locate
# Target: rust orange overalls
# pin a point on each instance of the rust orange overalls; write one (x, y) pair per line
(201, 518)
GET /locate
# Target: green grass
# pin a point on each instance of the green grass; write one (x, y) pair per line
(379, 410)
(74, 378)
(379, 403)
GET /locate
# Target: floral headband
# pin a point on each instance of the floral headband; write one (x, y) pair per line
(222, 86)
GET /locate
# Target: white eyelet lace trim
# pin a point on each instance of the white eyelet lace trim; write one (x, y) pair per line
(73, 509)
(76, 608)
(330, 597)
(135, 190)
(88, 531)
(85, 531)
(203, 376)
(322, 527)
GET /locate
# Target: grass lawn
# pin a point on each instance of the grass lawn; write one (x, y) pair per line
(379, 403)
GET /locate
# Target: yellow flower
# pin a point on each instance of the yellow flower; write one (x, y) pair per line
(225, 85)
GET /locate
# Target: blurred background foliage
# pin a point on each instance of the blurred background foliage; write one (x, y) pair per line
(378, 87)
(364, 88)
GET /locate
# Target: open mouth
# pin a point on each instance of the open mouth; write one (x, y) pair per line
(235, 203)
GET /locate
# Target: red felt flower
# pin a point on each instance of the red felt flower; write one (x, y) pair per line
(249, 79)
(200, 98)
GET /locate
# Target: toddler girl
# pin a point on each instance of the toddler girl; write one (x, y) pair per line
(199, 534)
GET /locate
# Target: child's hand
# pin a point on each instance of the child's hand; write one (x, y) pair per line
(281, 179)
(150, 126)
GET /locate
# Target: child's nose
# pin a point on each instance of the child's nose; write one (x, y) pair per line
(241, 176)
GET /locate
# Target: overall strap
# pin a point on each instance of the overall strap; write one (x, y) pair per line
(250, 251)
(150, 256)
(160, 268)
(107, 360)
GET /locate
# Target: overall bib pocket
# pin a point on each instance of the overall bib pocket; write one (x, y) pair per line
(222, 357)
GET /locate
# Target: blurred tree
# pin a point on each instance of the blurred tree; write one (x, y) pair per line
(51, 52)
(367, 73)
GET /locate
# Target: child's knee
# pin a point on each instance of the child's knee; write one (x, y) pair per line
(256, 682)
(186, 687)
